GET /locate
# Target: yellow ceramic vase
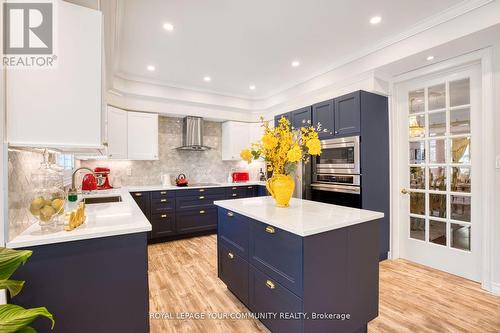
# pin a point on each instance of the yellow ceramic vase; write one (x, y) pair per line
(281, 188)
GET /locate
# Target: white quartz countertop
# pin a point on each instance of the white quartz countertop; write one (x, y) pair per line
(145, 188)
(103, 220)
(303, 217)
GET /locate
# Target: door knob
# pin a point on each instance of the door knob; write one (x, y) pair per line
(404, 191)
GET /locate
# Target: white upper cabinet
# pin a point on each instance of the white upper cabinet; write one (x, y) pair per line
(237, 136)
(61, 107)
(117, 133)
(142, 136)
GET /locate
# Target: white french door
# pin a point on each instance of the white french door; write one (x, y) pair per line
(439, 128)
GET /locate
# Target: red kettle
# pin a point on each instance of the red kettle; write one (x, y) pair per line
(181, 180)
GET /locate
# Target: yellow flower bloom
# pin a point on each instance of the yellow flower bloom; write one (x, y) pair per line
(269, 141)
(314, 147)
(294, 154)
(246, 155)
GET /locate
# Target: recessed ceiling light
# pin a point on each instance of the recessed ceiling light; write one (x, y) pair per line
(251, 87)
(151, 68)
(207, 79)
(429, 58)
(168, 26)
(295, 63)
(375, 20)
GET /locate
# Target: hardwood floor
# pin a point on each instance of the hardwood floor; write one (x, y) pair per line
(413, 298)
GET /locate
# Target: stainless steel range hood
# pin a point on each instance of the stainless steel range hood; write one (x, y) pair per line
(192, 134)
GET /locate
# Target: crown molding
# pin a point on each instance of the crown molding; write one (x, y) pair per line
(339, 74)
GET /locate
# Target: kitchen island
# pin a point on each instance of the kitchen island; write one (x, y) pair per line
(312, 267)
(93, 278)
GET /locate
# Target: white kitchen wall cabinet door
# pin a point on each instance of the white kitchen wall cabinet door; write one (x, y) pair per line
(117, 133)
(235, 137)
(142, 136)
(60, 107)
(256, 132)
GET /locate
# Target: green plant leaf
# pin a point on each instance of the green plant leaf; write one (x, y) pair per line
(10, 260)
(27, 329)
(14, 317)
(13, 286)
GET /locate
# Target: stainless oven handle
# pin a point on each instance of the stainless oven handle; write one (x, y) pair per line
(337, 188)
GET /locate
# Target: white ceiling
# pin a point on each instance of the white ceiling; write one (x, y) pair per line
(238, 43)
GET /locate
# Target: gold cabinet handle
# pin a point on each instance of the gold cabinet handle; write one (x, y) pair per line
(163, 192)
(202, 212)
(270, 229)
(202, 197)
(230, 255)
(234, 188)
(163, 216)
(230, 214)
(202, 190)
(270, 284)
(138, 194)
(163, 200)
(404, 191)
(250, 187)
(235, 195)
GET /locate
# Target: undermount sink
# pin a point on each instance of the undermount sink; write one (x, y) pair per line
(98, 200)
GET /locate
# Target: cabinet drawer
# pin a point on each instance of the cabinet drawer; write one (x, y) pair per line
(233, 270)
(162, 205)
(233, 231)
(162, 194)
(277, 253)
(200, 191)
(197, 201)
(236, 192)
(162, 225)
(269, 296)
(196, 220)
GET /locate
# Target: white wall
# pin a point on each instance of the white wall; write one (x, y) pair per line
(496, 223)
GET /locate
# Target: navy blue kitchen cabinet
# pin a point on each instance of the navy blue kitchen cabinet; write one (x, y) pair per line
(186, 212)
(301, 117)
(334, 272)
(277, 118)
(323, 113)
(347, 114)
(92, 285)
(142, 199)
(262, 191)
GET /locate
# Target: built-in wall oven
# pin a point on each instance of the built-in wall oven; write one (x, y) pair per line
(336, 173)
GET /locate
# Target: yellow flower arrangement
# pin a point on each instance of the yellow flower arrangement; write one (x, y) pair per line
(283, 147)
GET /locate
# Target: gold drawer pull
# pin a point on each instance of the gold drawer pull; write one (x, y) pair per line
(230, 255)
(250, 187)
(202, 197)
(235, 195)
(163, 200)
(202, 212)
(202, 190)
(270, 284)
(234, 188)
(138, 194)
(163, 192)
(270, 229)
(230, 214)
(163, 216)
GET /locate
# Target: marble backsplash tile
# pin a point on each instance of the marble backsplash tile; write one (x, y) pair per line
(21, 165)
(198, 166)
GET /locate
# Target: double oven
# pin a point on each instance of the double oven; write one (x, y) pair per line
(336, 175)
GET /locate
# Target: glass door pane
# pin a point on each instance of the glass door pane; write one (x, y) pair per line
(439, 164)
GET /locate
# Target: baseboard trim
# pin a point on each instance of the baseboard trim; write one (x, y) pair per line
(495, 288)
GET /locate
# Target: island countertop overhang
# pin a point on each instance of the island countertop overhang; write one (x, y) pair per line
(303, 217)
